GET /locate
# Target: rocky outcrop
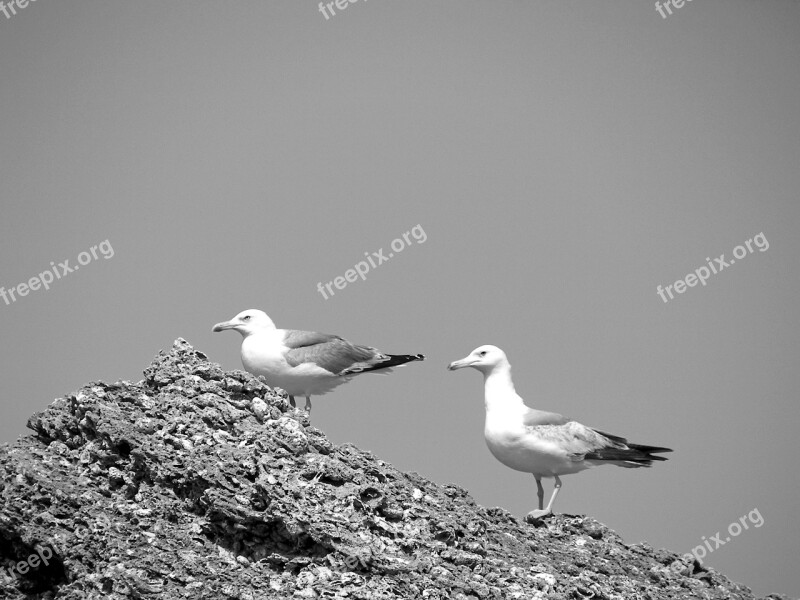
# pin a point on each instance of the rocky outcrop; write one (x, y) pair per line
(200, 483)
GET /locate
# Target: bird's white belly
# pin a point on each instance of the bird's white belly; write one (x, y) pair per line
(303, 380)
(521, 451)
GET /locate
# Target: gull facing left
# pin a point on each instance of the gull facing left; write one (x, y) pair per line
(304, 363)
(544, 444)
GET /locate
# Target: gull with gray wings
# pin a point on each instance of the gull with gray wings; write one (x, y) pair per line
(545, 444)
(304, 363)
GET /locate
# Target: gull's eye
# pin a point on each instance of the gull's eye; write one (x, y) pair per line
(246, 318)
(483, 353)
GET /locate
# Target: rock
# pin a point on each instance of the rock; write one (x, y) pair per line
(198, 483)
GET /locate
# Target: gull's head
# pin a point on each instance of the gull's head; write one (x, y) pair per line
(484, 358)
(247, 322)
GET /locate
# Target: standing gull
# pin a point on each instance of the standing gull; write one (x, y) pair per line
(544, 444)
(304, 363)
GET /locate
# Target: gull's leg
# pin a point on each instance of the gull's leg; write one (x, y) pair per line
(308, 405)
(556, 488)
(540, 492)
(291, 400)
(538, 514)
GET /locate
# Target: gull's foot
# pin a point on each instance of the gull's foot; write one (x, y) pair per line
(537, 515)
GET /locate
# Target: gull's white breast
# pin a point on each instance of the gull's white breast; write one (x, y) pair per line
(264, 354)
(519, 448)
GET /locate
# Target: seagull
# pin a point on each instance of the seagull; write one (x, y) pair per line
(545, 444)
(304, 363)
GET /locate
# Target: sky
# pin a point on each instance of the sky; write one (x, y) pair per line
(558, 162)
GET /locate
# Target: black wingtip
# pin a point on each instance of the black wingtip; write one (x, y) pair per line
(394, 360)
(634, 454)
(401, 359)
(650, 449)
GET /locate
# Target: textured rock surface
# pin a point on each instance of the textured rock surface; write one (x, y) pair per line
(199, 483)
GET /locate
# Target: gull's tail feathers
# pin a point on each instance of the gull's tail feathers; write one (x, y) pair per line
(650, 450)
(627, 455)
(389, 361)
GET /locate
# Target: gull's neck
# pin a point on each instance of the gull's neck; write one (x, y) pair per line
(261, 331)
(499, 392)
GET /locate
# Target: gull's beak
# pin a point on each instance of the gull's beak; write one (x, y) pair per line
(223, 326)
(460, 364)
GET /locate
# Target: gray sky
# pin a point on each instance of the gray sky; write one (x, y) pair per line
(562, 158)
